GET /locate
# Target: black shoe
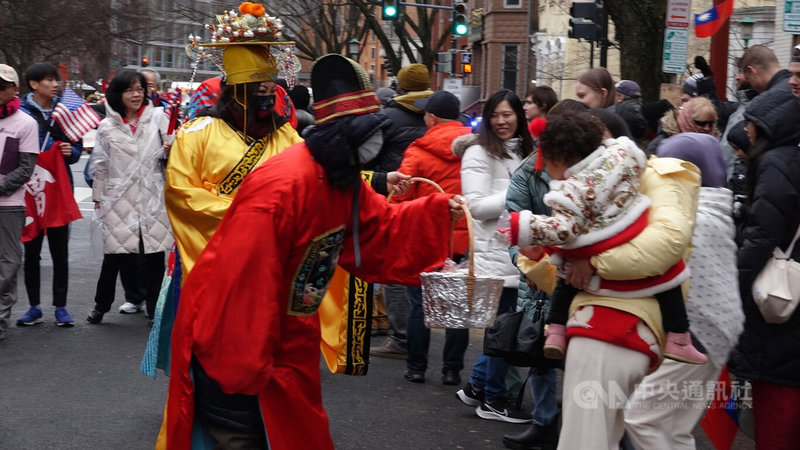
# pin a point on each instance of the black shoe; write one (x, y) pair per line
(535, 437)
(501, 410)
(451, 377)
(415, 377)
(470, 396)
(95, 316)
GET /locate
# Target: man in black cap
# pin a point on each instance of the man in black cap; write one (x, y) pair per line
(246, 340)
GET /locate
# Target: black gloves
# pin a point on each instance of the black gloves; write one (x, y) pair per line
(701, 65)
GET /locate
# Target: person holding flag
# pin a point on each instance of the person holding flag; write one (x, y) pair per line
(60, 131)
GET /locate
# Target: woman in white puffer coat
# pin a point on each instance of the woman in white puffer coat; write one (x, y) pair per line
(128, 191)
(488, 160)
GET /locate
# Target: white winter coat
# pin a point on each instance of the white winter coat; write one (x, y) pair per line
(129, 183)
(484, 182)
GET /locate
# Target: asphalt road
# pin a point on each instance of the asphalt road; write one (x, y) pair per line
(80, 387)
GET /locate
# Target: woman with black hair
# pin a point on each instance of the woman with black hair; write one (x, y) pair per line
(127, 192)
(488, 161)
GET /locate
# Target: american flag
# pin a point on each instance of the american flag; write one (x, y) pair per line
(74, 116)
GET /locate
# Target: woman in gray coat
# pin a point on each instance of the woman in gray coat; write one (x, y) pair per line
(128, 191)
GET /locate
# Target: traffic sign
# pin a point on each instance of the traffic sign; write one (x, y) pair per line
(676, 50)
(678, 13)
(791, 16)
(453, 85)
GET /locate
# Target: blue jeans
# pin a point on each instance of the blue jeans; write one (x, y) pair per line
(543, 393)
(418, 339)
(489, 372)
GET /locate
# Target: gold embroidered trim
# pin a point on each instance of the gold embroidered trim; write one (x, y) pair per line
(251, 157)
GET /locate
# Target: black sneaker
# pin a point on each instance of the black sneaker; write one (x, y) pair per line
(95, 316)
(469, 396)
(501, 410)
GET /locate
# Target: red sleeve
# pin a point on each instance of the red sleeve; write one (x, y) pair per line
(399, 241)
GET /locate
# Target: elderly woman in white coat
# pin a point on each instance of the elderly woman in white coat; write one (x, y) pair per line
(128, 190)
(488, 160)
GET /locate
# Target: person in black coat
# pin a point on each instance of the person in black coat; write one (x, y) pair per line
(769, 354)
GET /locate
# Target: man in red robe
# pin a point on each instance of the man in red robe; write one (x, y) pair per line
(245, 347)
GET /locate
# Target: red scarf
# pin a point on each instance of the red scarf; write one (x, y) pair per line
(9, 108)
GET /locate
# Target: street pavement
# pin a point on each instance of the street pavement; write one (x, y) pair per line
(80, 387)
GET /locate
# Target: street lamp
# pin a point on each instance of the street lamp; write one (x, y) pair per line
(352, 48)
(746, 29)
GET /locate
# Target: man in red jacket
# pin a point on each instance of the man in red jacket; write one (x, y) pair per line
(431, 156)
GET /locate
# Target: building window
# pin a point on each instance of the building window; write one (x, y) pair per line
(512, 3)
(509, 64)
(372, 52)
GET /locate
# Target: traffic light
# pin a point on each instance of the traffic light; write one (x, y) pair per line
(390, 9)
(460, 25)
(145, 61)
(587, 21)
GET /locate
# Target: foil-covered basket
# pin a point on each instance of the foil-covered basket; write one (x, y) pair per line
(460, 299)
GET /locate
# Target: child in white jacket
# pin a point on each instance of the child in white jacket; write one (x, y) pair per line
(597, 206)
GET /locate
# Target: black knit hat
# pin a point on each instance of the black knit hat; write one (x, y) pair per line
(341, 88)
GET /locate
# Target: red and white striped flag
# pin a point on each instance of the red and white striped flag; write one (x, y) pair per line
(74, 116)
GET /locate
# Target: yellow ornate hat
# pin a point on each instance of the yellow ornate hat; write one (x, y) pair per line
(248, 64)
(245, 42)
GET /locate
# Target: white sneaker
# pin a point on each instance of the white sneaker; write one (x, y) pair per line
(131, 308)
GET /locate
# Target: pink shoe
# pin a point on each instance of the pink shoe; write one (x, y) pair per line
(556, 343)
(679, 347)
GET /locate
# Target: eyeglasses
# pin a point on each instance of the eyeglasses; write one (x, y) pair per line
(132, 91)
(704, 123)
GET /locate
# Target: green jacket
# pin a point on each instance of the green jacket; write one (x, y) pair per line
(526, 192)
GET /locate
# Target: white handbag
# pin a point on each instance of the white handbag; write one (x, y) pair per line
(776, 290)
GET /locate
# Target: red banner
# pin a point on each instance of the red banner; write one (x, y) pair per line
(49, 201)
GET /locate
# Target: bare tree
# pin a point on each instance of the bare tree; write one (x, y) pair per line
(640, 28)
(319, 27)
(413, 31)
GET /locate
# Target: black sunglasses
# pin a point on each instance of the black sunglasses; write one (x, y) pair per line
(704, 123)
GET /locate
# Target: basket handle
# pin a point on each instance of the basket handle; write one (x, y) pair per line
(414, 179)
(471, 264)
(438, 188)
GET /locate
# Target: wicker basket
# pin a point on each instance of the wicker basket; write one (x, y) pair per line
(458, 299)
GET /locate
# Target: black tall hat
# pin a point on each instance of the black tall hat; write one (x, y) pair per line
(341, 88)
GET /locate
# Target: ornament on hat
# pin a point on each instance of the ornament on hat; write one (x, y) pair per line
(250, 25)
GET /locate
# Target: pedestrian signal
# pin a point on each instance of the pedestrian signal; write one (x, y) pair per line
(145, 61)
(467, 68)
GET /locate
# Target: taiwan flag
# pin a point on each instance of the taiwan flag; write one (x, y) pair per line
(721, 422)
(709, 22)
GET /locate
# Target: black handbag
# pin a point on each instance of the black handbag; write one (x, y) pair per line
(516, 338)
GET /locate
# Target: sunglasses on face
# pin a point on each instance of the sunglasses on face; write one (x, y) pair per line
(704, 123)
